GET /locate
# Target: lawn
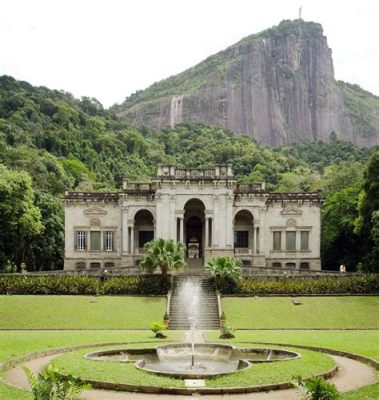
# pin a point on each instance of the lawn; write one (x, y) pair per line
(360, 342)
(16, 343)
(80, 312)
(346, 312)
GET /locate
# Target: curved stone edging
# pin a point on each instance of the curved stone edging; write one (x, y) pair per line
(186, 391)
(125, 387)
(105, 385)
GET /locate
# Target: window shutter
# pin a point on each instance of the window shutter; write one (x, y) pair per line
(76, 240)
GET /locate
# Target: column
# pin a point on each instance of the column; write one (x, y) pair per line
(125, 229)
(251, 241)
(181, 229)
(132, 239)
(257, 240)
(206, 232)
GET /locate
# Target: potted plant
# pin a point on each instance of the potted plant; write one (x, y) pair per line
(227, 332)
(157, 328)
(166, 319)
(222, 319)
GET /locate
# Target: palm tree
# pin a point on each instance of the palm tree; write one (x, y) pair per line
(164, 254)
(222, 268)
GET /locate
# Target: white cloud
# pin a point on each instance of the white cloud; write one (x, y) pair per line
(111, 48)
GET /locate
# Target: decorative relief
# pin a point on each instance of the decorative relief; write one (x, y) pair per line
(95, 223)
(291, 223)
(95, 211)
(291, 211)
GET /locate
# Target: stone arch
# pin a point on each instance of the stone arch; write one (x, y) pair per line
(137, 210)
(248, 210)
(182, 201)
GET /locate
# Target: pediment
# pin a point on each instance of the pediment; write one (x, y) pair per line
(95, 211)
(291, 211)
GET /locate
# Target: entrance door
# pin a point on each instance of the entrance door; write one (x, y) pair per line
(194, 237)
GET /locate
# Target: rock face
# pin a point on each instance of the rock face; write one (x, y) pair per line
(277, 87)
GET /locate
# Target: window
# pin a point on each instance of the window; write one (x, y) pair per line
(145, 237)
(109, 265)
(290, 265)
(276, 265)
(108, 241)
(304, 240)
(80, 265)
(291, 241)
(81, 242)
(241, 239)
(246, 263)
(304, 265)
(277, 240)
(95, 242)
(95, 265)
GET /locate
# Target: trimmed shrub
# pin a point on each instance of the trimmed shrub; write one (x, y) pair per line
(362, 284)
(82, 285)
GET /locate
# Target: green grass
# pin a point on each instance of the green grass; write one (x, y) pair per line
(74, 363)
(315, 312)
(360, 342)
(16, 343)
(10, 393)
(79, 312)
(366, 393)
(309, 363)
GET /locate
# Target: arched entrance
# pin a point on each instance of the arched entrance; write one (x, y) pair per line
(194, 216)
(243, 232)
(144, 229)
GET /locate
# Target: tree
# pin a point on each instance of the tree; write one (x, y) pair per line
(341, 175)
(222, 268)
(339, 243)
(164, 254)
(20, 218)
(365, 224)
(46, 251)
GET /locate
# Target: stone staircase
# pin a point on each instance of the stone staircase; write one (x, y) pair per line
(194, 298)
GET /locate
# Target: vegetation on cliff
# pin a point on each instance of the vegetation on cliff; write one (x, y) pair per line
(196, 76)
(50, 141)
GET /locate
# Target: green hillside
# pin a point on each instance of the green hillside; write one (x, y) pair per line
(51, 142)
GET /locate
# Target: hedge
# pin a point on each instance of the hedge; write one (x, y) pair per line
(362, 284)
(82, 285)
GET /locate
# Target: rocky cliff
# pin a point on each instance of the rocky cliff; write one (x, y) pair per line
(277, 87)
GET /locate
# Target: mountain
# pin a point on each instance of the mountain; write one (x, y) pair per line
(277, 87)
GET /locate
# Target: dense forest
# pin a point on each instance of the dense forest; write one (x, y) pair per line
(51, 142)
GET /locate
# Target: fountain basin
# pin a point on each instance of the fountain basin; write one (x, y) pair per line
(206, 361)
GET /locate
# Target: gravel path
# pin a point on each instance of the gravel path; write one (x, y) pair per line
(351, 375)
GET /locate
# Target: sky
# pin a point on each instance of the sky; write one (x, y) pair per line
(108, 49)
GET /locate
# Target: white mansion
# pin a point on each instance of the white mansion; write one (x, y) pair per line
(205, 209)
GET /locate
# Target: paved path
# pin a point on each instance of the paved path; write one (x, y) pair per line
(351, 375)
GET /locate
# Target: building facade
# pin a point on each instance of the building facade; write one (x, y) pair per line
(204, 208)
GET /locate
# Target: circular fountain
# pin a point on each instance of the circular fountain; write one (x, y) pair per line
(200, 361)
